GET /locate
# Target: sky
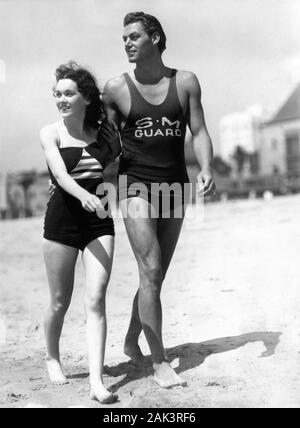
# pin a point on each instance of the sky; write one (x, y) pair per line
(243, 52)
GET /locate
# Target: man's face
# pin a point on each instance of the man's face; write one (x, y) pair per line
(138, 44)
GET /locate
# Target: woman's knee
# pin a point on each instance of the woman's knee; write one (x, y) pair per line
(59, 307)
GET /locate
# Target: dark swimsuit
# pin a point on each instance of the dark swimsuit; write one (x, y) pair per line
(66, 221)
(153, 146)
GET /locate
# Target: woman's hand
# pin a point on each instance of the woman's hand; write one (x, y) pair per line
(90, 202)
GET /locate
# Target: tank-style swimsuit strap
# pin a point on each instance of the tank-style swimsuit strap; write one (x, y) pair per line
(134, 92)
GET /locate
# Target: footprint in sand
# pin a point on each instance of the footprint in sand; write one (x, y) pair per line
(12, 397)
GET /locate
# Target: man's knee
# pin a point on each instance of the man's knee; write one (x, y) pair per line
(151, 273)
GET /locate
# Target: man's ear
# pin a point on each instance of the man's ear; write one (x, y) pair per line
(155, 38)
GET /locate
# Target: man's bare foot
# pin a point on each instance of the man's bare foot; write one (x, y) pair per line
(133, 351)
(55, 372)
(166, 377)
(99, 393)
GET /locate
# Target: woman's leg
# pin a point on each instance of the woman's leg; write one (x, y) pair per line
(97, 260)
(60, 263)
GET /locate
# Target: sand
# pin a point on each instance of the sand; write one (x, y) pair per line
(231, 315)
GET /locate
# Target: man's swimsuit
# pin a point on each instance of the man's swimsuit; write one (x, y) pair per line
(153, 145)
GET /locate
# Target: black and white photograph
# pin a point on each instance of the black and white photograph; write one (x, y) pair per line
(149, 205)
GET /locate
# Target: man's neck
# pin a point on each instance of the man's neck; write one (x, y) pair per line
(150, 71)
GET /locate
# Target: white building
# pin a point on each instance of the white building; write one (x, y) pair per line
(240, 129)
(280, 150)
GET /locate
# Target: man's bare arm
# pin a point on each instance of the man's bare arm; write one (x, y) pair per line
(110, 95)
(202, 142)
(109, 99)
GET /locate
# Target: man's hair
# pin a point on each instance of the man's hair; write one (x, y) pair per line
(88, 87)
(150, 24)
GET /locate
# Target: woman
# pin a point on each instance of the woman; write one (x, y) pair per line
(76, 154)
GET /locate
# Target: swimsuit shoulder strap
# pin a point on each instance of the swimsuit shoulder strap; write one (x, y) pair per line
(172, 87)
(60, 139)
(134, 92)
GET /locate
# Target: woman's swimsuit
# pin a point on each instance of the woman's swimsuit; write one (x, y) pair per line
(66, 221)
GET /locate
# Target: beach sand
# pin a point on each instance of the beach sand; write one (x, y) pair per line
(231, 304)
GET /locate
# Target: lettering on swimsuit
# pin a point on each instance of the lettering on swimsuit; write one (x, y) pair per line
(167, 128)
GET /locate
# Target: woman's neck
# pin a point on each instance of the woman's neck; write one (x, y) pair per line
(75, 127)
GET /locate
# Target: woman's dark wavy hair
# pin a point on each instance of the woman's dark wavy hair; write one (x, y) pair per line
(150, 24)
(87, 86)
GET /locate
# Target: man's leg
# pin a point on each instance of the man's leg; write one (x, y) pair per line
(131, 346)
(141, 230)
(142, 233)
(168, 231)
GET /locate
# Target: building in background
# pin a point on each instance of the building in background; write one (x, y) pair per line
(280, 148)
(243, 130)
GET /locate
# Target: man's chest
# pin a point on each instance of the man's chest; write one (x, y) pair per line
(150, 98)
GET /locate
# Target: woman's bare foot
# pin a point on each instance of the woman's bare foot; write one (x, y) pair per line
(100, 394)
(166, 377)
(55, 372)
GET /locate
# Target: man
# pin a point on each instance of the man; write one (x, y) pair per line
(152, 107)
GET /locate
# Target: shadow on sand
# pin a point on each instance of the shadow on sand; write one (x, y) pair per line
(192, 355)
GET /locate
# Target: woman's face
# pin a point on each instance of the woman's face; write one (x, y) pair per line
(69, 100)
